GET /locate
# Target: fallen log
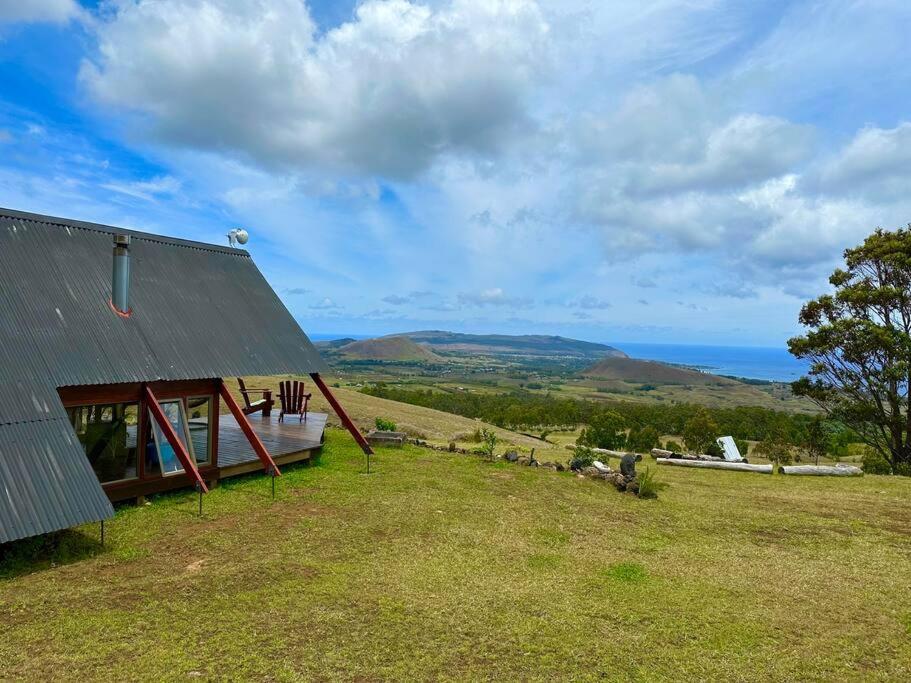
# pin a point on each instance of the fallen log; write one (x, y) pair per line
(601, 451)
(717, 465)
(661, 453)
(822, 470)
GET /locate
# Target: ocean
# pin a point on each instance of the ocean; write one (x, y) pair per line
(754, 362)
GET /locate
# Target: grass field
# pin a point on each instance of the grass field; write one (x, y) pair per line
(433, 425)
(438, 566)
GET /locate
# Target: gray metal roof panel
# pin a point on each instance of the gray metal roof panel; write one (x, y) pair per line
(199, 311)
(46, 482)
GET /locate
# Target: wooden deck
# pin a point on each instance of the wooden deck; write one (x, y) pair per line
(287, 441)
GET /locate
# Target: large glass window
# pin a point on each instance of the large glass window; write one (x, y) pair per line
(168, 463)
(108, 436)
(199, 418)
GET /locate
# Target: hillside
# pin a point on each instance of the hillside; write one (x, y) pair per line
(530, 345)
(646, 371)
(441, 566)
(426, 423)
(394, 348)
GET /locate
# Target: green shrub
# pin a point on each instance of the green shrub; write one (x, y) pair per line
(743, 446)
(583, 457)
(488, 443)
(384, 425)
(649, 484)
(714, 450)
(874, 463)
(674, 446)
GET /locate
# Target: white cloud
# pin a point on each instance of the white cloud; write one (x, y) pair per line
(876, 164)
(148, 190)
(325, 304)
(494, 296)
(55, 11)
(385, 93)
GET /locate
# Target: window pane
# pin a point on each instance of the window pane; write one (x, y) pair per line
(167, 457)
(108, 436)
(199, 409)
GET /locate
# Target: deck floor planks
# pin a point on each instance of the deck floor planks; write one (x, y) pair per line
(279, 438)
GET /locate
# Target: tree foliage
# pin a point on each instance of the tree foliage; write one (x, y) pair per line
(605, 430)
(858, 342)
(642, 439)
(700, 432)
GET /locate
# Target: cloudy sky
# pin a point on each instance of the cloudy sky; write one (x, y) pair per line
(678, 171)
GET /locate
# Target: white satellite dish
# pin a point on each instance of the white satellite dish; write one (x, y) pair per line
(237, 236)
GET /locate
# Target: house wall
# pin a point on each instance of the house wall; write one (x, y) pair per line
(147, 483)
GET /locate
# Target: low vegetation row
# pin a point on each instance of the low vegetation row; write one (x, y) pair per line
(634, 425)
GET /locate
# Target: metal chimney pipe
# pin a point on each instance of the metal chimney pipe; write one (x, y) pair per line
(120, 280)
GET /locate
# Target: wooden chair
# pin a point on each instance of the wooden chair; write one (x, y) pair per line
(293, 399)
(264, 403)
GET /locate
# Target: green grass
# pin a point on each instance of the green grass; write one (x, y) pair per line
(437, 566)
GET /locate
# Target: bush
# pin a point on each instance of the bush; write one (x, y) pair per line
(743, 446)
(384, 425)
(649, 484)
(674, 446)
(488, 443)
(714, 450)
(874, 463)
(583, 457)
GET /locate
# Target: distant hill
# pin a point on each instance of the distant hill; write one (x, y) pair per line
(395, 348)
(646, 371)
(334, 343)
(531, 345)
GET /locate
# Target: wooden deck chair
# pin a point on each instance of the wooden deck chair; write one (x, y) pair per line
(264, 403)
(293, 399)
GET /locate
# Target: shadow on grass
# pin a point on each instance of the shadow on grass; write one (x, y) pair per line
(38, 553)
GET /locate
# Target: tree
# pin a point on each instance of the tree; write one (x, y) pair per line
(816, 439)
(699, 432)
(859, 345)
(605, 430)
(642, 440)
(775, 447)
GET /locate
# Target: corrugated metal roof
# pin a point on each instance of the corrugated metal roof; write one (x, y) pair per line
(199, 311)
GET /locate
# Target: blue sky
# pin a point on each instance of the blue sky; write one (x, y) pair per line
(668, 172)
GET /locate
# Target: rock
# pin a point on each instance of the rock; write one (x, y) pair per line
(559, 467)
(601, 467)
(511, 456)
(590, 471)
(378, 438)
(452, 447)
